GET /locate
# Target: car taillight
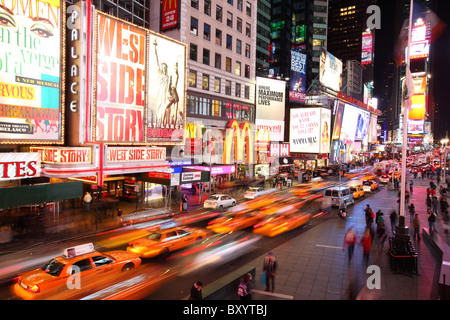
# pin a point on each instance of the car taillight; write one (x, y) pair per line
(15, 280)
(33, 289)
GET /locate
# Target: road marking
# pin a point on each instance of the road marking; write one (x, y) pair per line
(325, 246)
(278, 295)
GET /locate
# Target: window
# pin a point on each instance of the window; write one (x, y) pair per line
(228, 87)
(228, 64)
(83, 265)
(207, 32)
(193, 52)
(248, 30)
(205, 82)
(230, 2)
(229, 42)
(248, 9)
(238, 46)
(238, 90)
(194, 4)
(247, 71)
(247, 92)
(194, 26)
(239, 5)
(100, 261)
(229, 19)
(218, 13)
(239, 24)
(219, 37)
(218, 61)
(217, 85)
(207, 7)
(192, 78)
(206, 56)
(247, 50)
(237, 68)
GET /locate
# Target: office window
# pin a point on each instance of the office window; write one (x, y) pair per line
(217, 85)
(247, 71)
(239, 5)
(230, 2)
(238, 46)
(219, 37)
(248, 30)
(218, 61)
(239, 25)
(194, 4)
(207, 7)
(247, 92)
(217, 108)
(247, 50)
(206, 56)
(206, 32)
(238, 90)
(228, 87)
(193, 52)
(228, 64)
(237, 68)
(194, 26)
(218, 13)
(229, 42)
(192, 78)
(205, 82)
(248, 9)
(229, 19)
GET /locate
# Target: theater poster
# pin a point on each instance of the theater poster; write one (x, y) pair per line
(31, 71)
(120, 86)
(166, 90)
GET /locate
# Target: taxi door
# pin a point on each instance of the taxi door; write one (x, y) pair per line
(105, 265)
(185, 238)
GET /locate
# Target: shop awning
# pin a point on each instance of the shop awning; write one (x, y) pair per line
(35, 194)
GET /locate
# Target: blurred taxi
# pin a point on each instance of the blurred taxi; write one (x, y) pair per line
(369, 185)
(255, 192)
(357, 191)
(162, 242)
(278, 224)
(384, 178)
(80, 262)
(235, 221)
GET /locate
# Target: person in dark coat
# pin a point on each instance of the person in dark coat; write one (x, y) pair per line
(270, 266)
(196, 291)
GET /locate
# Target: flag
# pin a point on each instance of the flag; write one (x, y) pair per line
(401, 43)
(407, 89)
(437, 26)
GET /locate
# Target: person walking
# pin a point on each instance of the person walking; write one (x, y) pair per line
(369, 216)
(196, 291)
(393, 218)
(431, 222)
(366, 243)
(349, 241)
(416, 226)
(245, 287)
(412, 212)
(270, 266)
(379, 217)
(411, 184)
(381, 236)
(87, 201)
(184, 201)
(434, 203)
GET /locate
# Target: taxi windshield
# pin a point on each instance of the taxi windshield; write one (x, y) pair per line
(154, 236)
(53, 267)
(367, 183)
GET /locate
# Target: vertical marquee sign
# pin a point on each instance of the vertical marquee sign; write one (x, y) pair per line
(120, 86)
(170, 14)
(32, 46)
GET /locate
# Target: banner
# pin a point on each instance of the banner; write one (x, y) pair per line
(309, 130)
(297, 82)
(31, 107)
(330, 70)
(270, 99)
(120, 71)
(19, 165)
(170, 10)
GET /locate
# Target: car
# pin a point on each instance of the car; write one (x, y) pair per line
(369, 185)
(235, 221)
(384, 178)
(162, 242)
(219, 202)
(338, 196)
(255, 192)
(82, 260)
(357, 191)
(278, 224)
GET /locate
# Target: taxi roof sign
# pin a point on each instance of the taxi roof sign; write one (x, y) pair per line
(78, 250)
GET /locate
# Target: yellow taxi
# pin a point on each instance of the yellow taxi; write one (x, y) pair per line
(77, 265)
(235, 221)
(357, 191)
(162, 242)
(278, 224)
(369, 185)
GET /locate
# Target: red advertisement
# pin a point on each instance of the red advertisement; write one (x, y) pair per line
(120, 91)
(169, 14)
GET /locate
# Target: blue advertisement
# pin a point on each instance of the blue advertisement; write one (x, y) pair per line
(297, 85)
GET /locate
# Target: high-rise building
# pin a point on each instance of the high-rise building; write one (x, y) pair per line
(263, 38)
(136, 12)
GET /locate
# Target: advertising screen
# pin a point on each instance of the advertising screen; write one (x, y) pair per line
(420, 41)
(270, 99)
(166, 90)
(297, 82)
(367, 48)
(355, 123)
(31, 71)
(416, 126)
(120, 91)
(339, 111)
(373, 128)
(330, 70)
(418, 99)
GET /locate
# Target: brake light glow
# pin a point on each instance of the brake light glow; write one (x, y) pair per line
(33, 289)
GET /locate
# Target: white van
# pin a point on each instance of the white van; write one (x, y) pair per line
(337, 196)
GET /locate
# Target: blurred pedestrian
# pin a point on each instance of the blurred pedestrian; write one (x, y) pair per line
(270, 266)
(369, 216)
(196, 291)
(245, 287)
(411, 184)
(416, 226)
(412, 212)
(184, 201)
(434, 202)
(366, 243)
(349, 241)
(381, 236)
(119, 214)
(87, 201)
(379, 217)
(393, 218)
(431, 222)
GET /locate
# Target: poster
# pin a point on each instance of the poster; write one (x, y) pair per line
(325, 126)
(120, 91)
(330, 70)
(31, 108)
(310, 130)
(270, 95)
(297, 82)
(166, 90)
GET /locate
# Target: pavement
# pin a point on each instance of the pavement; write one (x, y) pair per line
(312, 266)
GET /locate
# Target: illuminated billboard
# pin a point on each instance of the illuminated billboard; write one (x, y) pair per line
(297, 82)
(31, 71)
(367, 48)
(270, 100)
(418, 99)
(170, 11)
(330, 70)
(355, 124)
(310, 130)
(416, 127)
(420, 40)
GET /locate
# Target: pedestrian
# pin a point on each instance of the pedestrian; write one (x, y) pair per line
(434, 202)
(369, 216)
(379, 217)
(444, 205)
(349, 241)
(431, 222)
(366, 242)
(411, 184)
(416, 226)
(393, 218)
(87, 201)
(245, 287)
(412, 212)
(428, 201)
(381, 236)
(196, 291)
(119, 214)
(184, 201)
(270, 266)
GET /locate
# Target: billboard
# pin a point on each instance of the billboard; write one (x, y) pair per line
(355, 124)
(274, 127)
(166, 90)
(367, 48)
(297, 82)
(420, 40)
(309, 130)
(418, 99)
(373, 129)
(338, 111)
(120, 87)
(270, 100)
(170, 13)
(330, 70)
(31, 71)
(416, 127)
